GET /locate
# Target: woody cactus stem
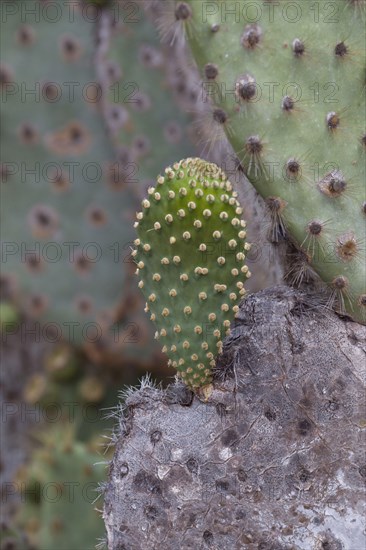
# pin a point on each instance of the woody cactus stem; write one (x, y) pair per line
(190, 256)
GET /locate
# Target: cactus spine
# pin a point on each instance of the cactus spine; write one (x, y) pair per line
(291, 99)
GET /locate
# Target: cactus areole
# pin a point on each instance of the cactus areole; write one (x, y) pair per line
(289, 82)
(190, 256)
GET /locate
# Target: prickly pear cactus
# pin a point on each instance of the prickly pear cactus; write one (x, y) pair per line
(58, 491)
(190, 256)
(288, 87)
(143, 121)
(65, 205)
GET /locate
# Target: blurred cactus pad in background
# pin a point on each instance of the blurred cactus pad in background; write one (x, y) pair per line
(100, 101)
(60, 488)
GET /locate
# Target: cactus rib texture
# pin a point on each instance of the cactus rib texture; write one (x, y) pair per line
(290, 95)
(190, 255)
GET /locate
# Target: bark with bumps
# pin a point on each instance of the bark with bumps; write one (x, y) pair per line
(275, 459)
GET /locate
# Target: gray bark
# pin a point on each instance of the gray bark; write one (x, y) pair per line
(275, 459)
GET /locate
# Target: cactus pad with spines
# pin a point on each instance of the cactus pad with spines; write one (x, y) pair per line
(291, 97)
(190, 255)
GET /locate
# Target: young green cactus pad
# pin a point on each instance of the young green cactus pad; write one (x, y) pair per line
(287, 81)
(190, 256)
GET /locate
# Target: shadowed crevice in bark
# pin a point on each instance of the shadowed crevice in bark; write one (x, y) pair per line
(275, 460)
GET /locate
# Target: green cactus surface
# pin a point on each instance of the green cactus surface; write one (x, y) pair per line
(9, 316)
(147, 130)
(65, 208)
(58, 489)
(62, 363)
(146, 127)
(288, 86)
(190, 256)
